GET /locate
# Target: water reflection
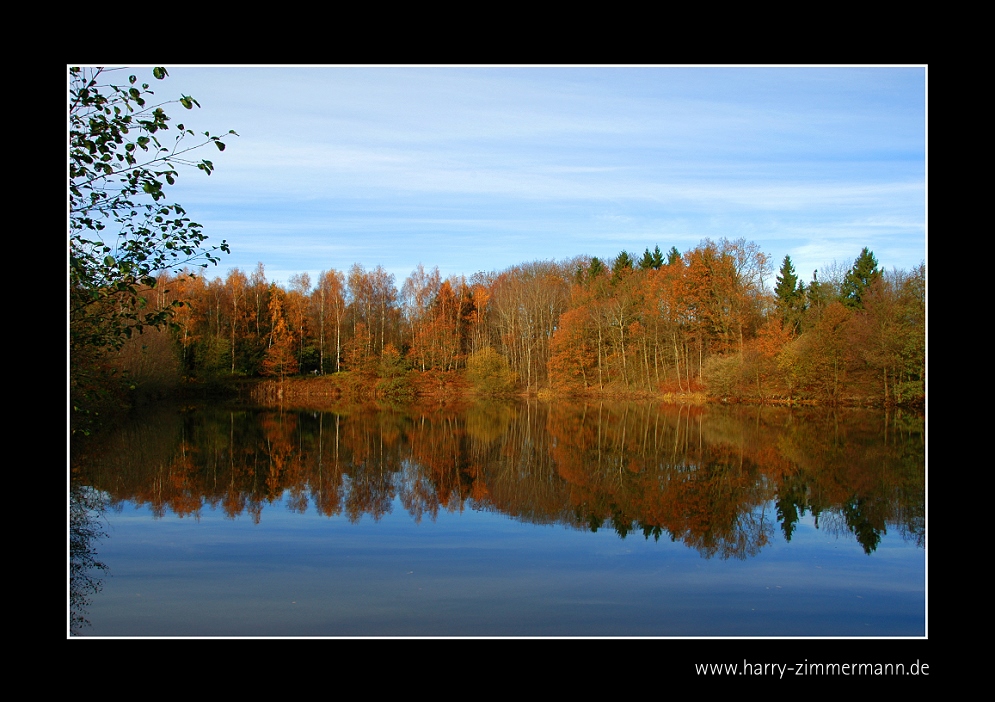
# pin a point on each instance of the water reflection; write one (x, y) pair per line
(724, 481)
(86, 507)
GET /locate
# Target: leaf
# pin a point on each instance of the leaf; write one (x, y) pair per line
(159, 72)
(220, 145)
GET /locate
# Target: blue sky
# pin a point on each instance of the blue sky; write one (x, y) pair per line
(480, 168)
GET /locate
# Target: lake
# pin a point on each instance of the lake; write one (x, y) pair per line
(571, 518)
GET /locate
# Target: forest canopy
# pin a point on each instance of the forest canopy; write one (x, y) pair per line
(715, 321)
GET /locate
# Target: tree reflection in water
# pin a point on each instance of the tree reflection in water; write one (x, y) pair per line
(718, 479)
(86, 507)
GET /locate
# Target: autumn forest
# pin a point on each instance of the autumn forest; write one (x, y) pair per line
(714, 323)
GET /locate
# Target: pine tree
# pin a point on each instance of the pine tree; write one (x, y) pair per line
(621, 267)
(816, 297)
(787, 283)
(790, 294)
(646, 262)
(596, 268)
(864, 272)
(623, 260)
(652, 260)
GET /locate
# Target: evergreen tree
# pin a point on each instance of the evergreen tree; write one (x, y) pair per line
(787, 283)
(673, 256)
(864, 272)
(817, 296)
(621, 267)
(790, 295)
(652, 260)
(623, 260)
(646, 262)
(657, 258)
(596, 268)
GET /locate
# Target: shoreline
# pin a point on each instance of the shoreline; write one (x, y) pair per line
(448, 388)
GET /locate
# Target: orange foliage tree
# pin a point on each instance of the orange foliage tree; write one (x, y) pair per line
(281, 358)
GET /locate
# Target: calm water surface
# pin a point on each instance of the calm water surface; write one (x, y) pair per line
(503, 520)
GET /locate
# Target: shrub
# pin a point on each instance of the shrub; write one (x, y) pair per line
(489, 373)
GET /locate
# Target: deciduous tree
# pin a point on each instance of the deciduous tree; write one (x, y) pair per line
(329, 304)
(121, 230)
(281, 359)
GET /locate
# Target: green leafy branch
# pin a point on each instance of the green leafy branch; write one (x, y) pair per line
(121, 232)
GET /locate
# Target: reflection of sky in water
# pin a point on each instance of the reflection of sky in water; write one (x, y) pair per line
(481, 573)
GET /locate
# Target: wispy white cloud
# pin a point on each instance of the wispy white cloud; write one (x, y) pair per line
(480, 168)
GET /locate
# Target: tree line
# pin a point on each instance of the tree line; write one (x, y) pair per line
(712, 321)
